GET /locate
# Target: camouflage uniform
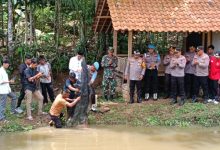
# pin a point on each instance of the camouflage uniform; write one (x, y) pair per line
(109, 82)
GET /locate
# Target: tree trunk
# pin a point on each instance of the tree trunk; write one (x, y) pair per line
(31, 25)
(80, 115)
(10, 28)
(26, 22)
(57, 23)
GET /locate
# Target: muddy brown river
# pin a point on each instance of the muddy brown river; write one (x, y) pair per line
(113, 138)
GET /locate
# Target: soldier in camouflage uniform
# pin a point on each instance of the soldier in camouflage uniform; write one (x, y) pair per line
(109, 63)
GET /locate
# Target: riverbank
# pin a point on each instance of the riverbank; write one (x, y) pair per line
(150, 113)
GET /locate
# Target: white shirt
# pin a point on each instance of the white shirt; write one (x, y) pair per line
(4, 87)
(75, 66)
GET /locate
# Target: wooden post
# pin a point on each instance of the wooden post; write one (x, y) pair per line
(115, 41)
(130, 35)
(209, 39)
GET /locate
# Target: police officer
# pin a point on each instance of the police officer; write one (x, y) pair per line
(189, 72)
(135, 70)
(166, 63)
(201, 62)
(152, 60)
(177, 66)
(109, 63)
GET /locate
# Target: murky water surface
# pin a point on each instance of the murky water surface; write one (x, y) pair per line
(113, 138)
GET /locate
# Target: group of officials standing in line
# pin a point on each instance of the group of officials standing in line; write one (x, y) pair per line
(184, 74)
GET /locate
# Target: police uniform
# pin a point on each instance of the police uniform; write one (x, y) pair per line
(135, 69)
(201, 74)
(151, 74)
(177, 66)
(166, 63)
(189, 74)
(109, 81)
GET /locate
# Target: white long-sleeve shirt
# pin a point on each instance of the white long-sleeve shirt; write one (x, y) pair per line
(75, 66)
(4, 87)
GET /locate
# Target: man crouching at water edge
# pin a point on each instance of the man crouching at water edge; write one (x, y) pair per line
(61, 102)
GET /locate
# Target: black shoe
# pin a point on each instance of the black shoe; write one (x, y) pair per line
(182, 102)
(111, 97)
(139, 100)
(166, 97)
(205, 101)
(194, 100)
(130, 102)
(106, 97)
(174, 101)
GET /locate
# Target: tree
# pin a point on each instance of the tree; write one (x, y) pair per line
(10, 29)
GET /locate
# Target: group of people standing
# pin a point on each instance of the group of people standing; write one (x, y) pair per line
(184, 74)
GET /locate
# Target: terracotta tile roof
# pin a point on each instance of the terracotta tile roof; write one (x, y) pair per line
(165, 15)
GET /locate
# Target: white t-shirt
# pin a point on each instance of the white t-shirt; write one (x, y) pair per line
(4, 87)
(76, 67)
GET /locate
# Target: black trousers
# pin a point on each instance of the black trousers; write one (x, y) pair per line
(57, 121)
(134, 83)
(21, 97)
(213, 88)
(151, 80)
(167, 87)
(189, 84)
(177, 84)
(92, 94)
(47, 88)
(201, 82)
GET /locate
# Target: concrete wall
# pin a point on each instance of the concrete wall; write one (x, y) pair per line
(216, 40)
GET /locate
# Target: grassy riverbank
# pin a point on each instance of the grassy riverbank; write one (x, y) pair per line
(151, 113)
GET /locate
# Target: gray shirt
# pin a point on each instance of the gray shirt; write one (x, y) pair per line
(134, 68)
(177, 66)
(152, 59)
(190, 69)
(202, 69)
(45, 69)
(166, 63)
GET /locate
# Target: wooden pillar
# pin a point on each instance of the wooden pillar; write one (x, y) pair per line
(130, 35)
(209, 39)
(115, 41)
(203, 38)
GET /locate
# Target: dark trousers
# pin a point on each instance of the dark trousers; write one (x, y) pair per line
(47, 88)
(57, 121)
(134, 83)
(177, 84)
(151, 80)
(21, 97)
(213, 88)
(91, 95)
(203, 82)
(167, 88)
(189, 85)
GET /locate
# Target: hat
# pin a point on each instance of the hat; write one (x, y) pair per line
(96, 65)
(34, 60)
(151, 46)
(217, 54)
(200, 48)
(27, 56)
(72, 75)
(6, 61)
(177, 50)
(137, 52)
(111, 49)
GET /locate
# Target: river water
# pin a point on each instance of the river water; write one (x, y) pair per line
(113, 138)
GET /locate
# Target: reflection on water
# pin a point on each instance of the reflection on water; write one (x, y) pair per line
(113, 138)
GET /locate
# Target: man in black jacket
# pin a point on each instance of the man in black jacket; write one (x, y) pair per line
(22, 67)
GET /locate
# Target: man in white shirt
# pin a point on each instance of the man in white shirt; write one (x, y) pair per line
(5, 91)
(75, 65)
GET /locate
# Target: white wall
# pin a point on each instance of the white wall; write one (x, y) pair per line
(216, 40)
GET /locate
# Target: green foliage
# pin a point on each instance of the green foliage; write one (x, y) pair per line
(60, 63)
